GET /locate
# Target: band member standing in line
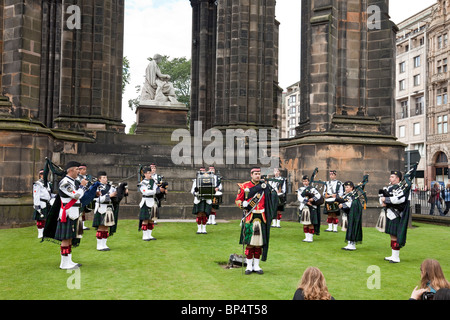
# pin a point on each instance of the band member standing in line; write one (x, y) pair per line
(83, 175)
(353, 208)
(103, 208)
(333, 189)
(279, 184)
(259, 202)
(42, 197)
(148, 205)
(66, 230)
(309, 211)
(163, 190)
(216, 203)
(395, 200)
(202, 207)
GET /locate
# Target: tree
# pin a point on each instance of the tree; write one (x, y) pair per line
(125, 73)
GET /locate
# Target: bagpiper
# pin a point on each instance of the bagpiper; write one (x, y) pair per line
(68, 227)
(217, 197)
(395, 201)
(149, 189)
(42, 198)
(104, 218)
(279, 184)
(309, 212)
(202, 207)
(333, 188)
(352, 208)
(259, 202)
(163, 187)
(85, 209)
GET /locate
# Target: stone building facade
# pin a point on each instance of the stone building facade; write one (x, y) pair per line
(411, 87)
(438, 111)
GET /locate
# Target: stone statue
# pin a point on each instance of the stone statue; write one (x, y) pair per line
(157, 86)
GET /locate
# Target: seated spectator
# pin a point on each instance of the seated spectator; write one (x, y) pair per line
(312, 286)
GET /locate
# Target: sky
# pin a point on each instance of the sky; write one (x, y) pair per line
(164, 27)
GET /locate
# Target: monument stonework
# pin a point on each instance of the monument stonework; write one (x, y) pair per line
(347, 96)
(62, 96)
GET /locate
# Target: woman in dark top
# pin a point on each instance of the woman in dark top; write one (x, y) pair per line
(312, 286)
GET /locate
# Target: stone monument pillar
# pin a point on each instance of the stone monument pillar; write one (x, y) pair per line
(235, 64)
(347, 94)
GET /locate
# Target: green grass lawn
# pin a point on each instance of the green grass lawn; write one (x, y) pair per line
(182, 265)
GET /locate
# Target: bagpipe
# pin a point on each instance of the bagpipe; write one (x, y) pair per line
(356, 193)
(307, 192)
(403, 185)
(54, 170)
(161, 184)
(277, 184)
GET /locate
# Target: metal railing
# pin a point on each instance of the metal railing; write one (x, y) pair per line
(420, 205)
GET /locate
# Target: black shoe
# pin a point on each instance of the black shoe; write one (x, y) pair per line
(259, 271)
(248, 272)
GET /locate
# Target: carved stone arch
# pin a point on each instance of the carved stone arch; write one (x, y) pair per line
(440, 165)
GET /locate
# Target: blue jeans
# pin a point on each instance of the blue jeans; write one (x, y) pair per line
(438, 205)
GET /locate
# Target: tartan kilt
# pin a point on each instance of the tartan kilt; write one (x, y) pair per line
(67, 230)
(37, 215)
(98, 219)
(393, 226)
(145, 213)
(354, 229)
(247, 230)
(202, 206)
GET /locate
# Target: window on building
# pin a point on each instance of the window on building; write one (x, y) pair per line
(441, 98)
(439, 42)
(419, 147)
(416, 80)
(444, 65)
(402, 67)
(416, 61)
(441, 158)
(442, 124)
(422, 41)
(416, 127)
(402, 85)
(292, 110)
(445, 39)
(292, 100)
(419, 105)
(292, 122)
(291, 133)
(401, 131)
(403, 109)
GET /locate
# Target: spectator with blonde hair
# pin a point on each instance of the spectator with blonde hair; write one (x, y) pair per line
(312, 286)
